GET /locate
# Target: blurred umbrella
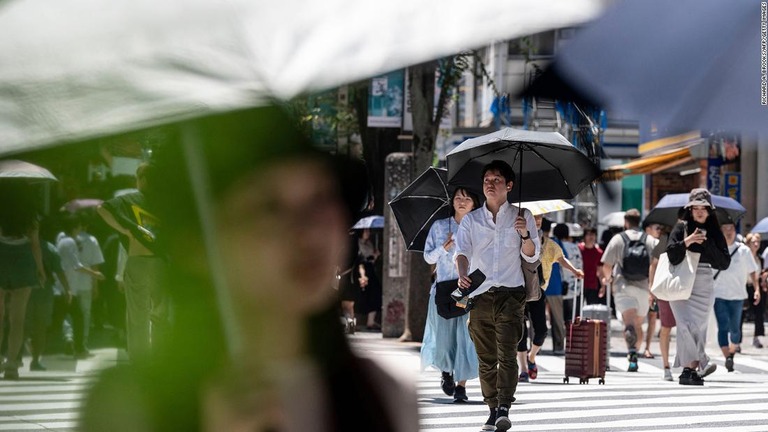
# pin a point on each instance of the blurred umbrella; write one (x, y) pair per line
(370, 222)
(16, 169)
(761, 227)
(613, 219)
(666, 211)
(419, 205)
(687, 64)
(83, 69)
(81, 204)
(545, 206)
(547, 166)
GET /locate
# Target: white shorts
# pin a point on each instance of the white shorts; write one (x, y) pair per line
(631, 297)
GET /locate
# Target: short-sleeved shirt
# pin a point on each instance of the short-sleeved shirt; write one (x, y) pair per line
(550, 253)
(730, 283)
(77, 253)
(591, 258)
(573, 253)
(614, 255)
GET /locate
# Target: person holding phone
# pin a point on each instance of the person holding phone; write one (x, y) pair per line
(697, 232)
(494, 239)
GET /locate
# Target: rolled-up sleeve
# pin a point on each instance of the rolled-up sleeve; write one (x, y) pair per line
(534, 233)
(464, 239)
(433, 248)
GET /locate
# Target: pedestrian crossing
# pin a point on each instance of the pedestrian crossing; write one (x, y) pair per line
(42, 401)
(51, 400)
(627, 402)
(730, 402)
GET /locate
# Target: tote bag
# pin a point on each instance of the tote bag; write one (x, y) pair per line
(675, 282)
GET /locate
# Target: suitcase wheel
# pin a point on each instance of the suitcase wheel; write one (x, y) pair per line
(565, 380)
(602, 381)
(583, 380)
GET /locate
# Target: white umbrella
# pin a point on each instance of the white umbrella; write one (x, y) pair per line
(614, 219)
(369, 222)
(78, 69)
(545, 206)
(17, 169)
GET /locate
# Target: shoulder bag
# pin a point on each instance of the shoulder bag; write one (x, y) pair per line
(675, 282)
(446, 305)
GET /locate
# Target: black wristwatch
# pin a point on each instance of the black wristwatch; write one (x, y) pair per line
(526, 237)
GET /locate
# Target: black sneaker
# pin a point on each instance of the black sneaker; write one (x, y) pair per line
(502, 419)
(460, 394)
(11, 374)
(729, 363)
(11, 371)
(690, 377)
(632, 362)
(448, 384)
(490, 424)
(36, 366)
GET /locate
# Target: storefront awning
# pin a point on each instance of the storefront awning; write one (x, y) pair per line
(667, 144)
(649, 164)
(660, 155)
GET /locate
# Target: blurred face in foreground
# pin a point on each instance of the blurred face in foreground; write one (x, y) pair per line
(281, 231)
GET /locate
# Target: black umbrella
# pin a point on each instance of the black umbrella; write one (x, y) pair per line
(421, 203)
(549, 165)
(666, 211)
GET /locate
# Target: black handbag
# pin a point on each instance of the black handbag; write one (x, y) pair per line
(446, 302)
(446, 305)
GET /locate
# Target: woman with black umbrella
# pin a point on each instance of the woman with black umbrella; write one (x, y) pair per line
(447, 345)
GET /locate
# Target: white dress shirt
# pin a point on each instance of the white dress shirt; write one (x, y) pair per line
(495, 248)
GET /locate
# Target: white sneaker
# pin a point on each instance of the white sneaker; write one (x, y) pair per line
(667, 374)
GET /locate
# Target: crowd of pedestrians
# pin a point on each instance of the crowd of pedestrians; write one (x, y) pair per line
(729, 271)
(53, 284)
(49, 288)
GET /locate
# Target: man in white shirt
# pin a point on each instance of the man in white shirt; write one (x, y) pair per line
(80, 254)
(494, 239)
(730, 292)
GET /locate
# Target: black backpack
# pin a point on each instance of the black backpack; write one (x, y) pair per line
(637, 260)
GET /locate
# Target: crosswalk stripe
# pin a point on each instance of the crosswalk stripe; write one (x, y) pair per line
(628, 401)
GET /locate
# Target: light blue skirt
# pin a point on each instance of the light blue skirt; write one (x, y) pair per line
(446, 345)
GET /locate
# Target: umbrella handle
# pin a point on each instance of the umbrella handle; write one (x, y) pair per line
(520, 183)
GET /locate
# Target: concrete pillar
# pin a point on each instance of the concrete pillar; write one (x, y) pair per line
(749, 180)
(397, 175)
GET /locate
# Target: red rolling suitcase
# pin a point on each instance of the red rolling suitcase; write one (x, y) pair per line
(586, 351)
